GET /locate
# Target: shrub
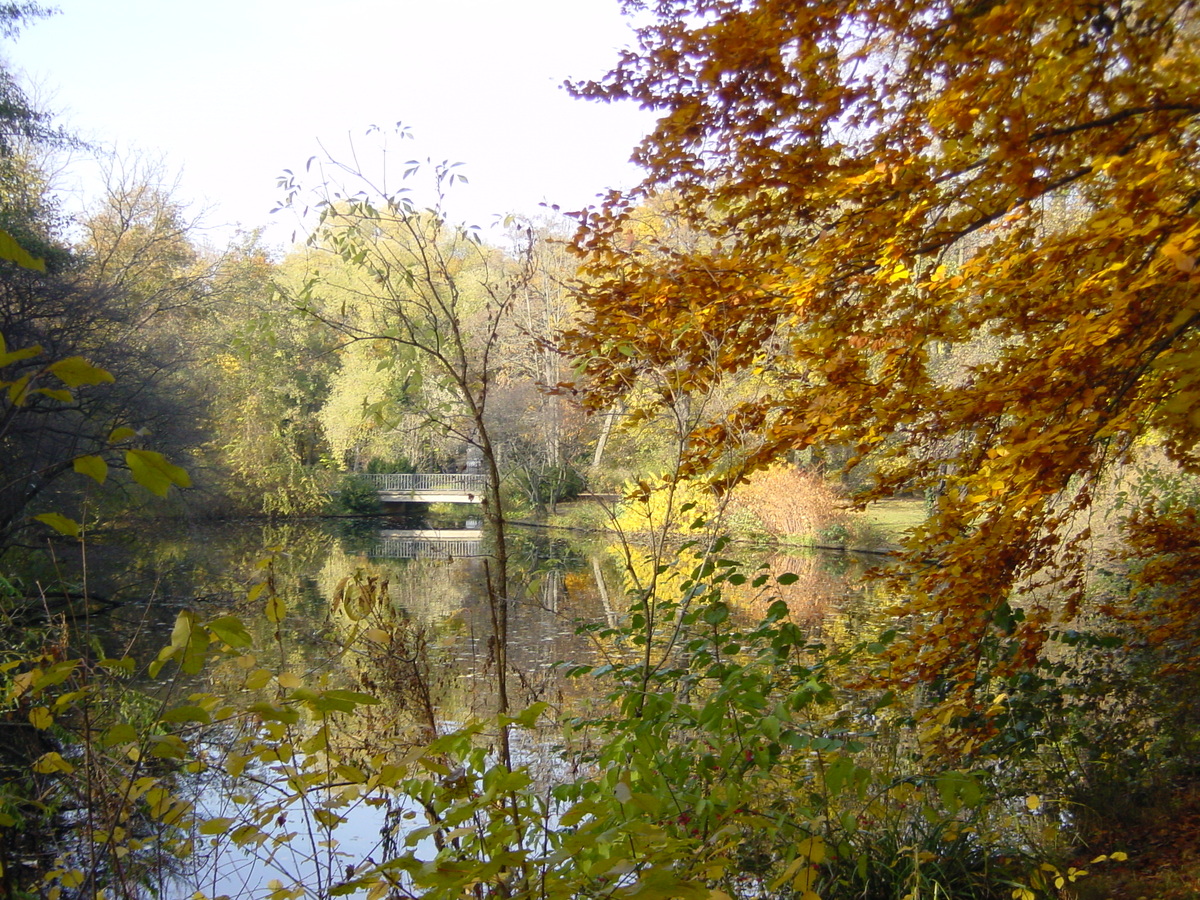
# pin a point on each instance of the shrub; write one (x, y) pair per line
(792, 503)
(356, 496)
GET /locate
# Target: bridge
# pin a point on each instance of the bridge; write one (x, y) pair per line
(435, 488)
(429, 543)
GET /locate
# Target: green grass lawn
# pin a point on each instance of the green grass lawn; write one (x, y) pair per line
(894, 517)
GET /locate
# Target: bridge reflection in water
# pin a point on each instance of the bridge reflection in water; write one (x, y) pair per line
(429, 543)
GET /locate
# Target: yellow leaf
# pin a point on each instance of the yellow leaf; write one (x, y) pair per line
(75, 371)
(12, 250)
(61, 524)
(1033, 802)
(289, 680)
(52, 762)
(152, 471)
(787, 873)
(16, 390)
(72, 878)
(7, 358)
(40, 718)
(813, 848)
(215, 826)
(804, 880)
(93, 466)
(1183, 262)
(276, 609)
(257, 679)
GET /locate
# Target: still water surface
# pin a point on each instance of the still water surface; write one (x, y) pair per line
(341, 580)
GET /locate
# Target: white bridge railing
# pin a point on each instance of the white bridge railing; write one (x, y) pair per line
(411, 549)
(423, 483)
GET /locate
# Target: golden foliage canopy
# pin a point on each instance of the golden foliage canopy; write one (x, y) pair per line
(958, 236)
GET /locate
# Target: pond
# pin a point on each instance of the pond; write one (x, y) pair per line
(396, 611)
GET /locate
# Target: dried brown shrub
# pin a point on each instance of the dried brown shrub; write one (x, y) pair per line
(789, 502)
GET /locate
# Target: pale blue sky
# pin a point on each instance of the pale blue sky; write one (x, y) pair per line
(231, 92)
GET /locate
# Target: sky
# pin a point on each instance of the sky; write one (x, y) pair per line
(226, 94)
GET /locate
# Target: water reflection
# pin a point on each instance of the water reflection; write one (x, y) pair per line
(429, 543)
(397, 613)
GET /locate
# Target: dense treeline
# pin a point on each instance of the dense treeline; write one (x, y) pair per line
(224, 361)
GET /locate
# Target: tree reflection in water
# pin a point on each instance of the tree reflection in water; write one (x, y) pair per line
(410, 633)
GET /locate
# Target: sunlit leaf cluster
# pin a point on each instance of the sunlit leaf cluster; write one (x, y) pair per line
(958, 239)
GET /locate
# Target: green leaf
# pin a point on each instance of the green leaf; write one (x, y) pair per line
(529, 716)
(770, 727)
(75, 371)
(181, 631)
(319, 743)
(120, 435)
(194, 652)
(56, 674)
(181, 714)
(337, 701)
(11, 250)
(152, 471)
(188, 643)
(270, 712)
(958, 789)
(121, 733)
(837, 773)
(167, 746)
(93, 466)
(328, 819)
(16, 390)
(61, 524)
(257, 679)
(231, 630)
(352, 697)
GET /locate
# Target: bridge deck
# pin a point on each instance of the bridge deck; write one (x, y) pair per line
(429, 488)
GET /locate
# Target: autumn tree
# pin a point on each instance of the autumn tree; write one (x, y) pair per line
(102, 301)
(139, 248)
(429, 299)
(883, 184)
(541, 433)
(265, 370)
